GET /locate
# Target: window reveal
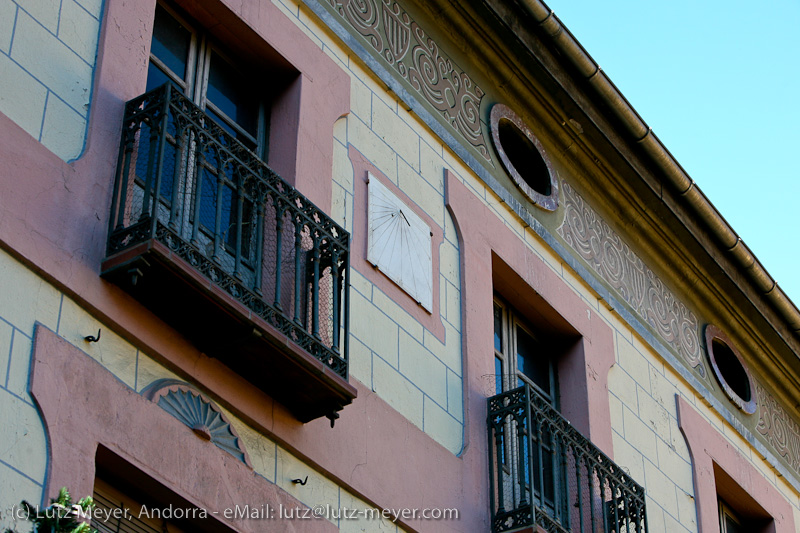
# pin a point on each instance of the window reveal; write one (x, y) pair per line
(203, 72)
(521, 358)
(729, 521)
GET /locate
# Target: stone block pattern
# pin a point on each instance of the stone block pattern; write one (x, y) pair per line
(642, 388)
(48, 52)
(647, 439)
(27, 300)
(391, 352)
(403, 44)
(416, 372)
(613, 260)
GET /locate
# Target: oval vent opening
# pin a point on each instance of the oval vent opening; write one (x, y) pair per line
(729, 369)
(523, 157)
(732, 370)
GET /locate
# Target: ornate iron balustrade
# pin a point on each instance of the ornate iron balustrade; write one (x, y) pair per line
(185, 182)
(545, 473)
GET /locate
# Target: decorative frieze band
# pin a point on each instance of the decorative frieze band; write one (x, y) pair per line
(778, 428)
(402, 43)
(613, 260)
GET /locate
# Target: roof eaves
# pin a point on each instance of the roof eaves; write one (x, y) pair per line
(726, 238)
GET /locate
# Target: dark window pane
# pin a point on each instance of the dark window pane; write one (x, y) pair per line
(228, 222)
(171, 43)
(498, 328)
(730, 522)
(208, 200)
(498, 375)
(731, 369)
(544, 470)
(143, 152)
(210, 195)
(532, 362)
(227, 127)
(249, 220)
(731, 526)
(168, 172)
(548, 472)
(231, 94)
(156, 77)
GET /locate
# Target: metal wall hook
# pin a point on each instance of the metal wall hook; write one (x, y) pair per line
(91, 338)
(299, 481)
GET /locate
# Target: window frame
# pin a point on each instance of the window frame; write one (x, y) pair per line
(512, 377)
(715, 336)
(727, 512)
(134, 512)
(195, 84)
(508, 354)
(188, 82)
(502, 113)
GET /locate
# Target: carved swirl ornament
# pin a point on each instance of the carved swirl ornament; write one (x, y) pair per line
(613, 260)
(416, 57)
(603, 249)
(778, 428)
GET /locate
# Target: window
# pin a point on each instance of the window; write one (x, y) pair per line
(121, 507)
(115, 512)
(729, 369)
(731, 493)
(209, 237)
(539, 460)
(129, 500)
(729, 522)
(205, 74)
(522, 358)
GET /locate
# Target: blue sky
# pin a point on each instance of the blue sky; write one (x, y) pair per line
(719, 83)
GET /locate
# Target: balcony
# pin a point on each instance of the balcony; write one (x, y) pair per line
(546, 476)
(215, 243)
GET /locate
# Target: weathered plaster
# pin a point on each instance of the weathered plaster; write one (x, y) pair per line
(432, 321)
(492, 255)
(84, 407)
(711, 451)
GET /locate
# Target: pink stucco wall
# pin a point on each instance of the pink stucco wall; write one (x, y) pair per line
(720, 471)
(493, 258)
(84, 407)
(432, 321)
(53, 216)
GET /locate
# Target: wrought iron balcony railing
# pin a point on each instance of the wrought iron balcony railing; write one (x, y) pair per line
(545, 473)
(193, 207)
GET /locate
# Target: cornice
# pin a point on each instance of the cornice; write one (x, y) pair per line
(728, 282)
(516, 62)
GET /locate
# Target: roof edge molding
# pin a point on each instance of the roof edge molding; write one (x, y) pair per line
(727, 239)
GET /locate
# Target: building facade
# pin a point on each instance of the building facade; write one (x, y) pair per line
(369, 265)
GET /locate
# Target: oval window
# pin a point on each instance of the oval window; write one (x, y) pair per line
(523, 157)
(729, 369)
